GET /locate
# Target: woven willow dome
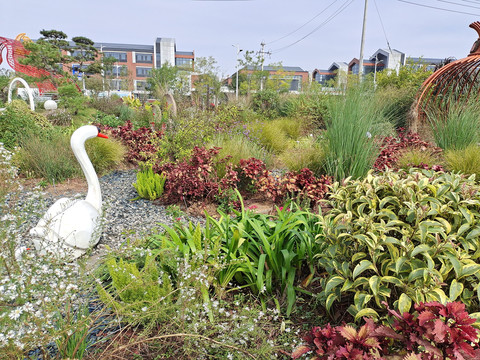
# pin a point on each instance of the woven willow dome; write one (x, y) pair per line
(457, 81)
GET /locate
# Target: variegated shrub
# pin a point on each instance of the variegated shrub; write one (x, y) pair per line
(401, 237)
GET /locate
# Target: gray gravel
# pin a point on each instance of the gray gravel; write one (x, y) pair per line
(124, 218)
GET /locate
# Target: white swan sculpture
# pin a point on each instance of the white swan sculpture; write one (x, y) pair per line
(70, 227)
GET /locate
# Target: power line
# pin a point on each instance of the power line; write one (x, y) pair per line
(383, 27)
(454, 3)
(308, 22)
(334, 15)
(438, 8)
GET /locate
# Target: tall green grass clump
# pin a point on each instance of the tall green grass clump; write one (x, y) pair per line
(458, 127)
(47, 157)
(306, 153)
(466, 161)
(277, 135)
(413, 157)
(105, 154)
(353, 122)
(239, 146)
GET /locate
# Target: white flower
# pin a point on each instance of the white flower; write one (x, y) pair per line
(15, 314)
(144, 308)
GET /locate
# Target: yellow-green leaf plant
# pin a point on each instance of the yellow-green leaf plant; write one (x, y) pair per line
(149, 185)
(403, 238)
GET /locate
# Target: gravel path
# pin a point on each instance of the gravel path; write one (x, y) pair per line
(123, 217)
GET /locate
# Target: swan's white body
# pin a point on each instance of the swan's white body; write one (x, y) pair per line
(70, 227)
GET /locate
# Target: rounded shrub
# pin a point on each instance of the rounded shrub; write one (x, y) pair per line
(18, 120)
(105, 154)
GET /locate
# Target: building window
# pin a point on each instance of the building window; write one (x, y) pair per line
(143, 71)
(184, 63)
(141, 85)
(143, 58)
(118, 84)
(116, 70)
(119, 56)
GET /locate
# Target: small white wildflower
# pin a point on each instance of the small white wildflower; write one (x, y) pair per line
(15, 314)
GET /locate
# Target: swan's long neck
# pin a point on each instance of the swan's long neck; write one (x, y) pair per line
(94, 195)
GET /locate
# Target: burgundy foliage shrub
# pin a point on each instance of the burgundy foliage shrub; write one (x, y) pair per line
(141, 143)
(195, 178)
(391, 148)
(432, 332)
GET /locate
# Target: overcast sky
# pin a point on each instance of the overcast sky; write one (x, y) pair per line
(307, 33)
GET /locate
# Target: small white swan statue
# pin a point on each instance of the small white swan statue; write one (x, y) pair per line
(70, 227)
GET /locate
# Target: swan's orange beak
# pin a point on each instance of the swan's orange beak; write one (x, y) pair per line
(102, 135)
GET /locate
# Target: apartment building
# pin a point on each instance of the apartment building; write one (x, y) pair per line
(294, 76)
(380, 60)
(135, 62)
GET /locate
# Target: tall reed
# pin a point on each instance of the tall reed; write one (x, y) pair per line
(458, 127)
(353, 122)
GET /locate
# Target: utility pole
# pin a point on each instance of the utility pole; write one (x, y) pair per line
(362, 43)
(262, 54)
(236, 68)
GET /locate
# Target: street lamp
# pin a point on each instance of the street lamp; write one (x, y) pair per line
(236, 67)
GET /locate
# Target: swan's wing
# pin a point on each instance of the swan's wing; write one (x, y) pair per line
(57, 208)
(78, 225)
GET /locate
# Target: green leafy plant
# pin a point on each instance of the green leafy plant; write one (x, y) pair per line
(18, 120)
(262, 252)
(400, 238)
(73, 341)
(150, 185)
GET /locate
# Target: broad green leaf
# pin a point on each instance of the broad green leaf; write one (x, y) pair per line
(361, 267)
(358, 256)
(393, 223)
(330, 299)
(404, 303)
(457, 266)
(399, 264)
(463, 228)
(347, 285)
(416, 274)
(470, 269)
(445, 223)
(420, 249)
(367, 312)
(392, 280)
(475, 233)
(456, 289)
(333, 282)
(361, 299)
(467, 214)
(374, 282)
(441, 295)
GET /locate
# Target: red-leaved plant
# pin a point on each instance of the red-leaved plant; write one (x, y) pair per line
(391, 148)
(195, 178)
(303, 185)
(432, 332)
(141, 143)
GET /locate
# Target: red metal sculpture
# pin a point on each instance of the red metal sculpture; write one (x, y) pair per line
(455, 81)
(14, 51)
